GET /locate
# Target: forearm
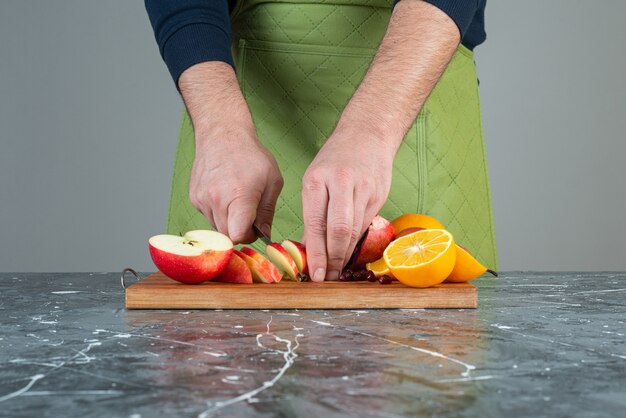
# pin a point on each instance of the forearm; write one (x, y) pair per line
(214, 101)
(414, 53)
(229, 197)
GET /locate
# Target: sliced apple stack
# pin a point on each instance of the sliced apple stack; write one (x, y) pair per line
(196, 257)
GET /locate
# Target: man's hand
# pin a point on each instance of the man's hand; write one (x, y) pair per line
(343, 189)
(349, 180)
(234, 180)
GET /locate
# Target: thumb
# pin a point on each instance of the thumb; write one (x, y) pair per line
(241, 214)
(267, 206)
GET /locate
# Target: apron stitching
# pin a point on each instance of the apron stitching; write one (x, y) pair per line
(288, 92)
(438, 161)
(465, 201)
(318, 23)
(357, 27)
(465, 156)
(279, 24)
(303, 113)
(315, 26)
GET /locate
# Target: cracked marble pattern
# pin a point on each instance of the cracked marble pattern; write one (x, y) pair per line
(541, 344)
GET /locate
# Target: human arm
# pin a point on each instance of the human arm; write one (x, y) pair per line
(349, 180)
(194, 39)
(234, 181)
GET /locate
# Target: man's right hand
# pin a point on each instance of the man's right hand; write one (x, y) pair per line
(235, 181)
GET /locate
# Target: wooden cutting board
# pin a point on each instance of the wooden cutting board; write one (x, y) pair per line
(160, 292)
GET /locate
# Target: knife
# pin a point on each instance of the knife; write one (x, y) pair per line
(261, 234)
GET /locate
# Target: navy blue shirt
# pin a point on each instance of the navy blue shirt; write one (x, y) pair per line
(192, 31)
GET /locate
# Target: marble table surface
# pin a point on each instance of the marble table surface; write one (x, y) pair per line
(540, 344)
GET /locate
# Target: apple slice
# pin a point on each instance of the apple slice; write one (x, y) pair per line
(194, 258)
(237, 271)
(379, 234)
(297, 251)
(263, 271)
(282, 259)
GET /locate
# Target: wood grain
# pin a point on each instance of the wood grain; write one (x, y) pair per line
(159, 292)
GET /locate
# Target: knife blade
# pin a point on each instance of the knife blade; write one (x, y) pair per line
(357, 249)
(259, 233)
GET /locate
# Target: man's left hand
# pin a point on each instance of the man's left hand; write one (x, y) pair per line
(343, 189)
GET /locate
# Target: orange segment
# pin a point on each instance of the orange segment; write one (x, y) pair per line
(422, 259)
(411, 220)
(379, 267)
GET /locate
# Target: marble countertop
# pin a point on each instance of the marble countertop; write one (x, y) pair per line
(540, 344)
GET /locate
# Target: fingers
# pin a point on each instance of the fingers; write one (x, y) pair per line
(241, 214)
(340, 226)
(208, 213)
(314, 211)
(205, 209)
(370, 211)
(220, 218)
(267, 205)
(361, 198)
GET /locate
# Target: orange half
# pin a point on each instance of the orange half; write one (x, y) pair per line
(412, 220)
(422, 259)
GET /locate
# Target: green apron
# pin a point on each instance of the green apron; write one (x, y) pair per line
(298, 64)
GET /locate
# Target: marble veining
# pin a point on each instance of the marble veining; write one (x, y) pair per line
(541, 344)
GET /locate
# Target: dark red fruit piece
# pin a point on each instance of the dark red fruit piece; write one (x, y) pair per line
(370, 277)
(385, 279)
(303, 277)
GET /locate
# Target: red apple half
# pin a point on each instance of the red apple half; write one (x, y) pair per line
(196, 257)
(297, 251)
(263, 271)
(282, 260)
(237, 270)
(380, 233)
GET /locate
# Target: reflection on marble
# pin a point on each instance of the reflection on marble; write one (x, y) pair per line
(541, 344)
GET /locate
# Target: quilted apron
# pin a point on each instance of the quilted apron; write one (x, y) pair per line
(298, 63)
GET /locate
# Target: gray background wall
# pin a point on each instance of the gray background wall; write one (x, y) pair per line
(89, 118)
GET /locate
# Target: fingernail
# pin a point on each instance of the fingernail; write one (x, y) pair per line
(333, 275)
(319, 275)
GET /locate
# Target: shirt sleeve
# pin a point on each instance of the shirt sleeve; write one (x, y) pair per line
(462, 12)
(191, 31)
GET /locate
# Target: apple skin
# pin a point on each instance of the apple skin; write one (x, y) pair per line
(380, 233)
(408, 231)
(263, 271)
(282, 260)
(237, 271)
(298, 253)
(190, 263)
